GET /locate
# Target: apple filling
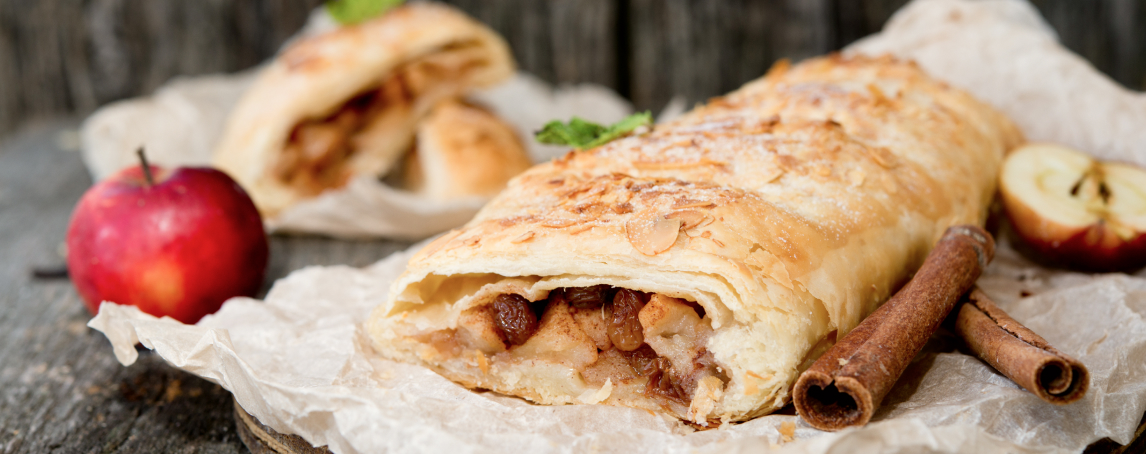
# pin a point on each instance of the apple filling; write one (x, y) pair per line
(646, 344)
(318, 150)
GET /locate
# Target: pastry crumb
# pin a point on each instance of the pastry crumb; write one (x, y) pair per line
(787, 432)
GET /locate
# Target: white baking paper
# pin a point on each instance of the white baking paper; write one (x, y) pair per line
(301, 363)
(181, 123)
(1004, 53)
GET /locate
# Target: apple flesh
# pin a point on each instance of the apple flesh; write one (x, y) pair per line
(1071, 210)
(178, 246)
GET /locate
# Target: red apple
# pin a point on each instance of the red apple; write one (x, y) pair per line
(173, 242)
(1071, 210)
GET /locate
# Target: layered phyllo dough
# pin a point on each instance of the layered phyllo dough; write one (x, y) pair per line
(698, 267)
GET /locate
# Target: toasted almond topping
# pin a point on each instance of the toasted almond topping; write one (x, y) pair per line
(558, 223)
(652, 235)
(690, 203)
(787, 162)
(582, 229)
(706, 234)
(718, 243)
(688, 218)
(557, 181)
(523, 237)
(775, 175)
(671, 165)
(622, 208)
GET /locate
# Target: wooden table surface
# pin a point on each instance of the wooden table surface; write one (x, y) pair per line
(61, 388)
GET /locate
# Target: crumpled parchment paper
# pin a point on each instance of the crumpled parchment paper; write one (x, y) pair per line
(1003, 52)
(301, 363)
(181, 123)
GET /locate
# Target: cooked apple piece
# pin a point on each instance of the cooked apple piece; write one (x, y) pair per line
(1073, 211)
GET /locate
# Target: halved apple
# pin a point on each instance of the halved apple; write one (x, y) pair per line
(1074, 211)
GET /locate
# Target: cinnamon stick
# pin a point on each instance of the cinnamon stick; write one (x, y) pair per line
(845, 386)
(1019, 353)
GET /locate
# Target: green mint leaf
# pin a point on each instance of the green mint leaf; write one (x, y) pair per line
(583, 134)
(349, 12)
(577, 133)
(623, 127)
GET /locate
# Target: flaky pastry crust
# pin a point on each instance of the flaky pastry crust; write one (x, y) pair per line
(390, 71)
(788, 210)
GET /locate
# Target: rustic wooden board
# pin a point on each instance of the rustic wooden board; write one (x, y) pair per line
(69, 56)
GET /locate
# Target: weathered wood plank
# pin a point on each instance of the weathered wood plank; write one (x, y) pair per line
(68, 56)
(700, 49)
(562, 41)
(65, 56)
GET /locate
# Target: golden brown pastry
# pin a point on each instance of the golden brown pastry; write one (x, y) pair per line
(699, 267)
(461, 151)
(348, 102)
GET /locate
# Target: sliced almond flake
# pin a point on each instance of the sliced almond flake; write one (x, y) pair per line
(673, 165)
(574, 191)
(581, 229)
(775, 175)
(688, 218)
(690, 203)
(523, 237)
(652, 235)
(718, 243)
(558, 223)
(512, 221)
(787, 162)
(706, 234)
(597, 189)
(622, 208)
(557, 181)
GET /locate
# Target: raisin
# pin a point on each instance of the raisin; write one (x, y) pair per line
(643, 360)
(624, 327)
(657, 368)
(661, 381)
(515, 318)
(587, 297)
